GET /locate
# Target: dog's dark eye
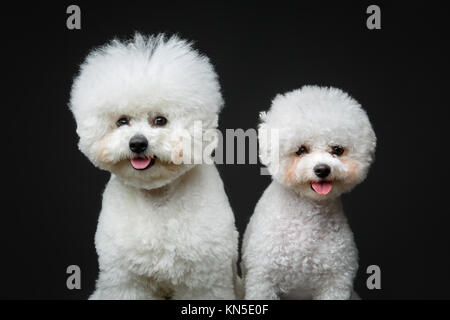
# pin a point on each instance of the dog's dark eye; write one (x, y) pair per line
(123, 121)
(301, 150)
(159, 121)
(337, 150)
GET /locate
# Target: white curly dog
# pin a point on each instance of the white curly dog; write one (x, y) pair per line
(166, 229)
(298, 244)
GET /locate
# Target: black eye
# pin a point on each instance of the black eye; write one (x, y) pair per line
(337, 150)
(159, 121)
(302, 150)
(123, 121)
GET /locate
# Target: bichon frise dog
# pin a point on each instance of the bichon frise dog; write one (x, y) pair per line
(166, 229)
(298, 244)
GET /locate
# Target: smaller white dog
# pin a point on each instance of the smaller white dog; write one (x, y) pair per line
(166, 229)
(298, 244)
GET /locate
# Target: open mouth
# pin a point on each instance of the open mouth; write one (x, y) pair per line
(322, 187)
(142, 162)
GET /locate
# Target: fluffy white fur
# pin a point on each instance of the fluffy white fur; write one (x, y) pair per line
(298, 244)
(166, 232)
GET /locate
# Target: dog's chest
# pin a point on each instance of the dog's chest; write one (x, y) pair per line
(308, 243)
(162, 239)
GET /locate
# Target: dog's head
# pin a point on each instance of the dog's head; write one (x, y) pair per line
(325, 142)
(136, 104)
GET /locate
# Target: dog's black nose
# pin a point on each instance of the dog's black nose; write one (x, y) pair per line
(138, 144)
(322, 170)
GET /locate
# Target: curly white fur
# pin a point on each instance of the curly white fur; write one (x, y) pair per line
(298, 243)
(167, 231)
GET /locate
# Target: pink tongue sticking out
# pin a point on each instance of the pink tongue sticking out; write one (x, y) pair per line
(322, 188)
(140, 163)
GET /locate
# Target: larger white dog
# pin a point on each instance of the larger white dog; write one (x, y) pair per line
(166, 229)
(298, 243)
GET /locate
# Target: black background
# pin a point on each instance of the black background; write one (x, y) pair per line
(52, 193)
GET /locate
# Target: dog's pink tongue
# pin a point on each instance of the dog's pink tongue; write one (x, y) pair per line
(140, 163)
(322, 188)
